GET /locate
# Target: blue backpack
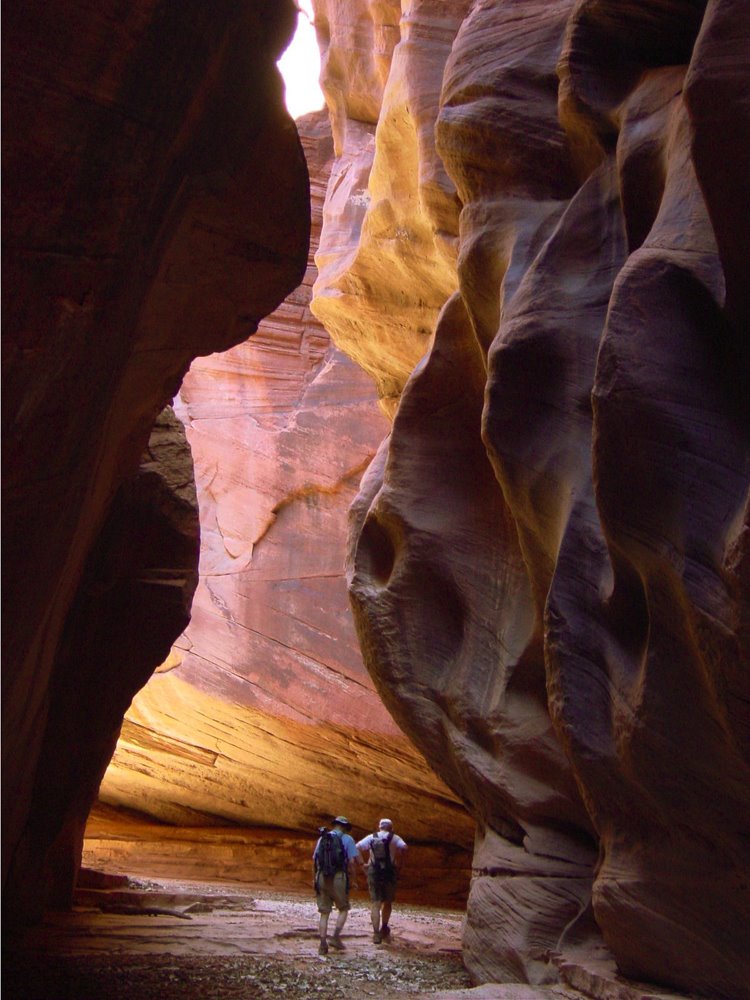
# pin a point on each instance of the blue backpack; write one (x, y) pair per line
(330, 855)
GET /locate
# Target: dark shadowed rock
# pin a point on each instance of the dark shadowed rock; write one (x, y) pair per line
(549, 560)
(135, 593)
(155, 207)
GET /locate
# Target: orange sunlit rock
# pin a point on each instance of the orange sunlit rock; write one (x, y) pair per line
(264, 714)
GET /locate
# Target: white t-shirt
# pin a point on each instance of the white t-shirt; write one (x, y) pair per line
(397, 844)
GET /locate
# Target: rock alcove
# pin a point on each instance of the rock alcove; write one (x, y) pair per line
(263, 723)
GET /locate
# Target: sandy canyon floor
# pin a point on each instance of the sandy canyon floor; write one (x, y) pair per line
(160, 938)
(175, 940)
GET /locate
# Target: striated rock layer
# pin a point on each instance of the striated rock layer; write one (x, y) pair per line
(155, 206)
(264, 858)
(263, 714)
(549, 560)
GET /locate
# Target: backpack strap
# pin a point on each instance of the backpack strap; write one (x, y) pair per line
(345, 860)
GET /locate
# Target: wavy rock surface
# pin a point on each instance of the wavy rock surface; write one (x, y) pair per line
(387, 262)
(155, 207)
(264, 715)
(549, 558)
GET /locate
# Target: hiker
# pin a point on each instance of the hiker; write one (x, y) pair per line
(335, 861)
(386, 851)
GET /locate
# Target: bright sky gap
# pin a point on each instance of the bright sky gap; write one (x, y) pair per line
(300, 66)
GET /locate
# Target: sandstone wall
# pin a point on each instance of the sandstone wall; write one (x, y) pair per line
(549, 557)
(387, 262)
(263, 715)
(138, 580)
(271, 857)
(155, 204)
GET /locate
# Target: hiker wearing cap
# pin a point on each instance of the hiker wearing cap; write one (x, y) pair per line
(386, 855)
(335, 860)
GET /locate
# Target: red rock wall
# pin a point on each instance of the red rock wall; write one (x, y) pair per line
(281, 428)
(275, 858)
(155, 207)
(549, 558)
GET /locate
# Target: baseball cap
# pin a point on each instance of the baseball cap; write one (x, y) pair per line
(342, 820)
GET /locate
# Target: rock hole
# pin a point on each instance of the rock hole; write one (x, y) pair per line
(378, 551)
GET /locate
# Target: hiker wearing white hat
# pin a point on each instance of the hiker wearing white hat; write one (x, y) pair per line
(386, 856)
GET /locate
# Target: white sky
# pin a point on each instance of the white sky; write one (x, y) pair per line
(300, 66)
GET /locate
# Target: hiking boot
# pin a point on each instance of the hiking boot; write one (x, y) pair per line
(337, 943)
(385, 931)
(323, 947)
(376, 937)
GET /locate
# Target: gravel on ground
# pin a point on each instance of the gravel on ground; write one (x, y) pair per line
(235, 944)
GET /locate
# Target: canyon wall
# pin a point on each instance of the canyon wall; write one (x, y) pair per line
(533, 244)
(155, 204)
(532, 239)
(263, 715)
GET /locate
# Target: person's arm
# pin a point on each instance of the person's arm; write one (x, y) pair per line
(399, 853)
(363, 850)
(354, 866)
(314, 866)
(354, 861)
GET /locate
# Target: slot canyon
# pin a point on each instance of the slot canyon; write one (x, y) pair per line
(395, 460)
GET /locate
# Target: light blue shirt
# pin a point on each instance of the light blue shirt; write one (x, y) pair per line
(347, 841)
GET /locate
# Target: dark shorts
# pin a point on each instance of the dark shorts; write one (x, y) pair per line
(382, 888)
(332, 889)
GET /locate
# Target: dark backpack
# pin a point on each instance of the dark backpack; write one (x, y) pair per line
(380, 855)
(330, 856)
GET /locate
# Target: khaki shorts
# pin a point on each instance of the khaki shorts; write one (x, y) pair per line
(332, 889)
(382, 890)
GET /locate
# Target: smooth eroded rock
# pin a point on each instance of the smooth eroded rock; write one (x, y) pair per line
(263, 714)
(549, 561)
(155, 207)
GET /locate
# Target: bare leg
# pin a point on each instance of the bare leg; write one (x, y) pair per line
(340, 921)
(375, 916)
(323, 925)
(387, 907)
